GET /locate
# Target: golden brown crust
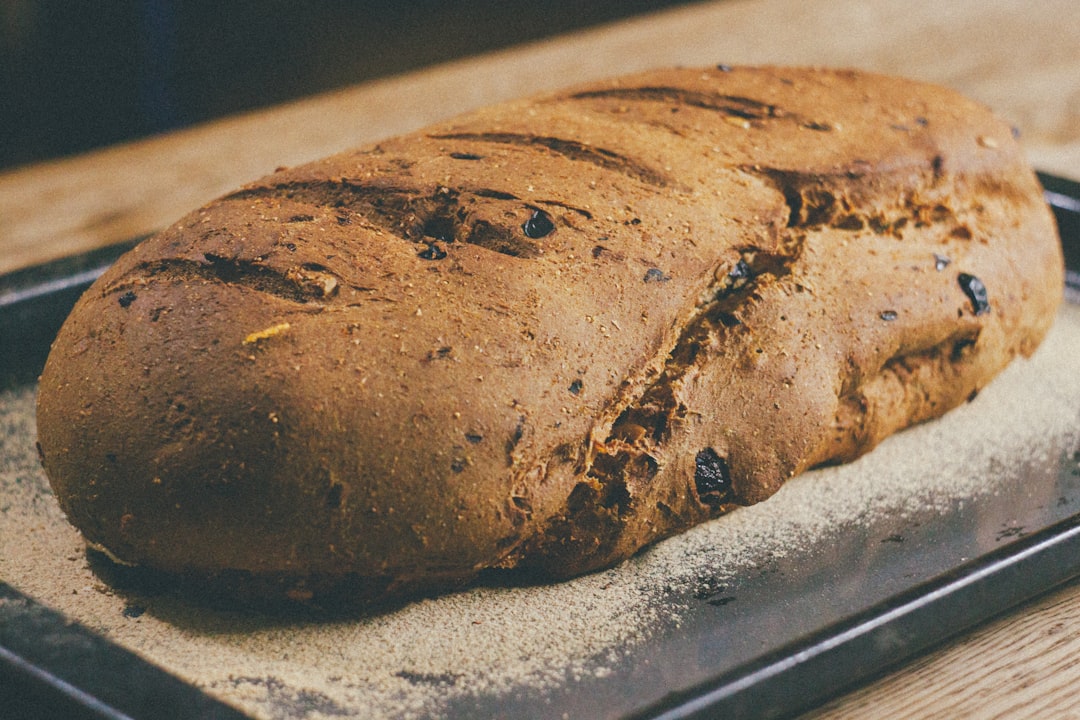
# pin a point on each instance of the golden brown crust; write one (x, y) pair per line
(547, 333)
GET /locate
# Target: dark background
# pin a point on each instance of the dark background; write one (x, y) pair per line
(77, 75)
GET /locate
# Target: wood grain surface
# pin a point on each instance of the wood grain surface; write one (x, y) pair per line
(1023, 665)
(1021, 58)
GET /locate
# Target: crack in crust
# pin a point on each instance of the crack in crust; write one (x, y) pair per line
(572, 150)
(423, 216)
(735, 105)
(897, 395)
(649, 420)
(308, 284)
(627, 459)
(817, 201)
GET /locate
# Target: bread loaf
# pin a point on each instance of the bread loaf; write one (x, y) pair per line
(547, 333)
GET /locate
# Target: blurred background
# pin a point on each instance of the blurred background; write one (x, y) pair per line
(75, 75)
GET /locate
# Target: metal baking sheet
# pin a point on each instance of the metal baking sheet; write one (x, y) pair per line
(773, 640)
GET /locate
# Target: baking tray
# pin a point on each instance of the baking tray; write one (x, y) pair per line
(761, 643)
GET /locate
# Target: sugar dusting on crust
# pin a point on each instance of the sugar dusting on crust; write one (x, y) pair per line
(490, 640)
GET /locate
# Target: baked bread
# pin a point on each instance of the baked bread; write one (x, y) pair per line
(547, 333)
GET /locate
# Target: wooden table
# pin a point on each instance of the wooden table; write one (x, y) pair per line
(1023, 59)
